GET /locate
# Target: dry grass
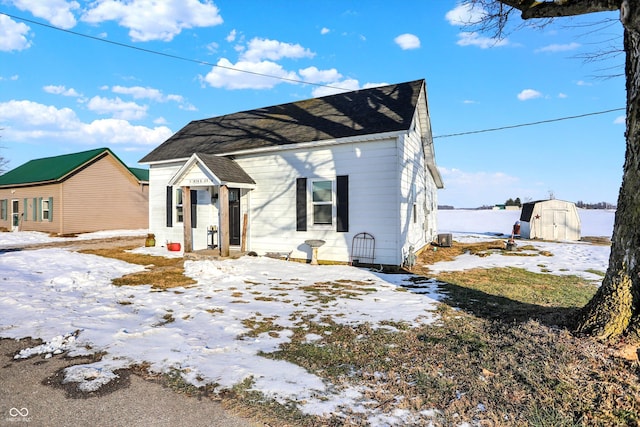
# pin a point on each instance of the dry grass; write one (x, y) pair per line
(501, 354)
(160, 272)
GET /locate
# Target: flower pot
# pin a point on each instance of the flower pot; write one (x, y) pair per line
(173, 246)
(150, 241)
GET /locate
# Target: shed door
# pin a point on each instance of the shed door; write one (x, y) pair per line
(554, 224)
(560, 225)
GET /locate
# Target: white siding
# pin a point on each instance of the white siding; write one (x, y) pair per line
(159, 176)
(418, 188)
(371, 167)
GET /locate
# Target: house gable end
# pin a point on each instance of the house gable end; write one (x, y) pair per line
(204, 170)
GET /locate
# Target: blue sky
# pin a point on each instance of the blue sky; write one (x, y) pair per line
(62, 93)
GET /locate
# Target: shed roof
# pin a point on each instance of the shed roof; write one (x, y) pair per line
(363, 112)
(57, 168)
(528, 207)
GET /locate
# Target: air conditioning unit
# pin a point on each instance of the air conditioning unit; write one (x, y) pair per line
(444, 240)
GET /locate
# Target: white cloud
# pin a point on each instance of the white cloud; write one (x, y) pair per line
(231, 36)
(324, 31)
(247, 75)
(139, 92)
(259, 49)
(314, 75)
(559, 47)
(475, 39)
(620, 120)
(562, 95)
(57, 12)
(28, 121)
(61, 90)
(469, 101)
(147, 21)
(583, 83)
(13, 35)
(465, 14)
(117, 108)
(527, 94)
(475, 189)
(407, 41)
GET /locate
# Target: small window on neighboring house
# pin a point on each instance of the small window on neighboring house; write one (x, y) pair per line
(415, 213)
(45, 210)
(179, 211)
(4, 207)
(322, 199)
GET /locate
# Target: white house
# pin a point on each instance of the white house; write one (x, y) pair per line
(329, 168)
(550, 220)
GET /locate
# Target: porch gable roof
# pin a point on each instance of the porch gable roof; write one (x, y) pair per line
(213, 170)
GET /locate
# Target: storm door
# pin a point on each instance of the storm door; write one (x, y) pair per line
(234, 216)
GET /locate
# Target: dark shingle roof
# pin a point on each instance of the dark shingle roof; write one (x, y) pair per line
(53, 169)
(225, 169)
(362, 112)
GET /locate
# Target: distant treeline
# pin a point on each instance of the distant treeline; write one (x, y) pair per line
(516, 202)
(600, 205)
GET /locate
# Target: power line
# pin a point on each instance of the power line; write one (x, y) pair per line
(200, 62)
(168, 55)
(528, 124)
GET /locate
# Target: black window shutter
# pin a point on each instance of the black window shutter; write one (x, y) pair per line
(169, 210)
(301, 204)
(342, 203)
(194, 208)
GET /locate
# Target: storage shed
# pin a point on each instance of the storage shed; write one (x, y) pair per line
(550, 220)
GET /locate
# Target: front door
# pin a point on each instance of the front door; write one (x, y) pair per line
(15, 215)
(234, 216)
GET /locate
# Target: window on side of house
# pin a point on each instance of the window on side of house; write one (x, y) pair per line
(4, 207)
(46, 214)
(179, 210)
(322, 200)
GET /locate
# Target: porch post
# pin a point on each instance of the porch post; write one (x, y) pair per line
(186, 219)
(224, 220)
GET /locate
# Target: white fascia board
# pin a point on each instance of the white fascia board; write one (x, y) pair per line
(316, 144)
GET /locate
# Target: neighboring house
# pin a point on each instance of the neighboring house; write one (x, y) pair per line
(550, 220)
(75, 193)
(270, 179)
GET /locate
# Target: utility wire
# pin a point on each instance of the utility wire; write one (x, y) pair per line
(197, 61)
(168, 55)
(528, 124)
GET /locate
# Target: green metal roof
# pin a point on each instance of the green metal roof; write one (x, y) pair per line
(140, 173)
(51, 169)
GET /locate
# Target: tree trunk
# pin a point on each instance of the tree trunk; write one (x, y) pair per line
(615, 308)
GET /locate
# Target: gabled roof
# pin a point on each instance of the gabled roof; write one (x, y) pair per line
(57, 168)
(209, 169)
(363, 112)
(141, 174)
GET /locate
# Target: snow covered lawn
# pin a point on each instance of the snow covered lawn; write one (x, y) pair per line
(206, 331)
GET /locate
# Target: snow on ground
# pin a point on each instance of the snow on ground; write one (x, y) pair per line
(568, 257)
(67, 300)
(25, 238)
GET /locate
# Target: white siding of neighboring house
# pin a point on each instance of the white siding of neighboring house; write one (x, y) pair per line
(371, 167)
